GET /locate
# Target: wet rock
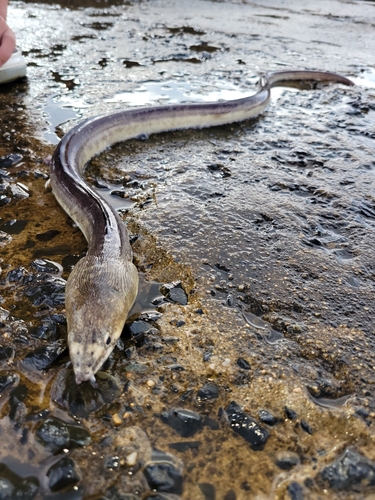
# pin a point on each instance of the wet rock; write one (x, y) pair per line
(83, 399)
(18, 191)
(45, 290)
(112, 462)
(295, 491)
(5, 238)
(174, 292)
(306, 427)
(46, 266)
(48, 235)
(351, 471)
(139, 328)
(185, 422)
(6, 353)
(290, 414)
(286, 460)
(243, 364)
(43, 357)
(267, 418)
(13, 486)
(60, 319)
(208, 391)
(10, 160)
(4, 200)
(7, 380)
(246, 426)
(163, 475)
(62, 474)
(16, 275)
(47, 330)
(55, 434)
(207, 356)
(14, 226)
(208, 491)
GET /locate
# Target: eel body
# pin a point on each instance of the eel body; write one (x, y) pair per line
(103, 285)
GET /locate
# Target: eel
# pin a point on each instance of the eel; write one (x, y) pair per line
(102, 286)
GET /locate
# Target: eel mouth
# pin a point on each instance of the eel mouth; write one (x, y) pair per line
(85, 376)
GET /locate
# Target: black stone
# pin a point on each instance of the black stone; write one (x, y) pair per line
(112, 462)
(290, 414)
(295, 491)
(47, 330)
(350, 471)
(78, 436)
(55, 434)
(19, 393)
(185, 422)
(7, 380)
(243, 364)
(6, 352)
(246, 426)
(13, 486)
(361, 412)
(306, 427)
(14, 226)
(83, 399)
(45, 266)
(60, 319)
(164, 477)
(207, 356)
(45, 290)
(43, 357)
(63, 474)
(208, 491)
(139, 328)
(16, 274)
(287, 462)
(10, 160)
(48, 235)
(267, 418)
(208, 391)
(69, 261)
(175, 293)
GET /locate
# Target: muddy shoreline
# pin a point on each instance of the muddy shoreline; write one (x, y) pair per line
(247, 367)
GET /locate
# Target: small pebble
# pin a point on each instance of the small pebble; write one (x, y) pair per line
(116, 419)
(131, 459)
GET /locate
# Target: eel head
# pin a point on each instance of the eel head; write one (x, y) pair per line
(99, 296)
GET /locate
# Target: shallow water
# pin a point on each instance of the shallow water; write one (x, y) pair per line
(264, 228)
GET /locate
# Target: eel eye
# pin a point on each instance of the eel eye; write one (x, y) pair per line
(108, 341)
